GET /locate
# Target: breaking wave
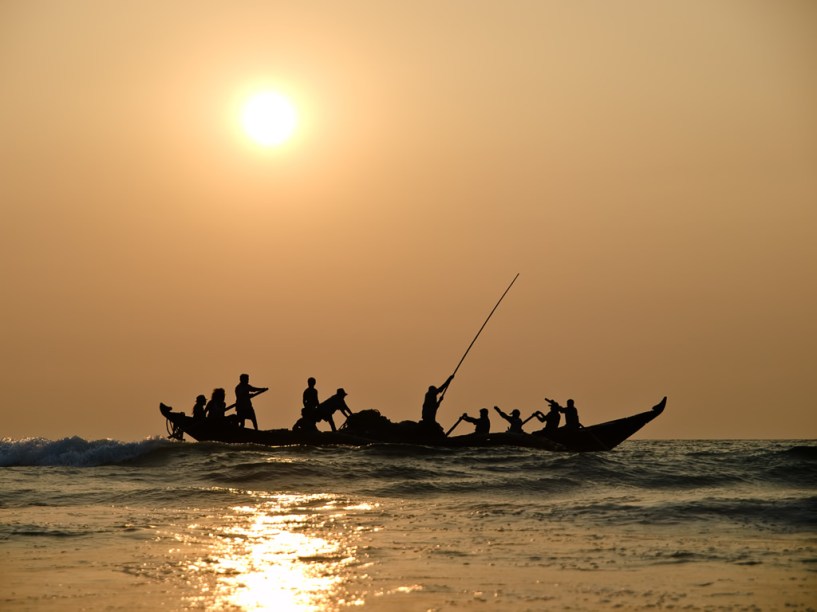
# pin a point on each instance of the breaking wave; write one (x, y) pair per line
(74, 451)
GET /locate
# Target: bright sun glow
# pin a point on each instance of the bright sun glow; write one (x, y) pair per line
(269, 118)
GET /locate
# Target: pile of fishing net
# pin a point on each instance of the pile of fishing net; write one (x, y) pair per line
(371, 424)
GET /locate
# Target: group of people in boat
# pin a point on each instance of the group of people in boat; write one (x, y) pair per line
(216, 407)
(551, 419)
(314, 411)
(482, 423)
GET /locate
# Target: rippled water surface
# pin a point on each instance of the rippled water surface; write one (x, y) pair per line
(652, 524)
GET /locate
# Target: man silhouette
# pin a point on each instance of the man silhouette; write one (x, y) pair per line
(482, 422)
(571, 415)
(431, 402)
(244, 392)
(310, 397)
(513, 418)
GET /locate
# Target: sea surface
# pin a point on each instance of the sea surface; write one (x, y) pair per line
(160, 524)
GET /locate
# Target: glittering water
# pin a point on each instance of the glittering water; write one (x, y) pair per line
(670, 524)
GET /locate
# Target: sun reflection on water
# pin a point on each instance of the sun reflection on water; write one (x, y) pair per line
(286, 553)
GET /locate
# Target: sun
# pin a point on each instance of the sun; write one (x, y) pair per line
(269, 118)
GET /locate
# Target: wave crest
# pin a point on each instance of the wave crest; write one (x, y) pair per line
(74, 451)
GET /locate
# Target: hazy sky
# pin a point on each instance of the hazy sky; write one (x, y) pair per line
(649, 168)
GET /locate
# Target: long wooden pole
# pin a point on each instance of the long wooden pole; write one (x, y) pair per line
(480, 331)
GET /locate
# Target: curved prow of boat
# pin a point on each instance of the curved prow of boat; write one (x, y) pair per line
(659, 407)
(173, 422)
(604, 436)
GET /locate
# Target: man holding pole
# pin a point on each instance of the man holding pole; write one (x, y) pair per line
(244, 392)
(431, 403)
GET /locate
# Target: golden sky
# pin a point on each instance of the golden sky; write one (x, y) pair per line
(648, 167)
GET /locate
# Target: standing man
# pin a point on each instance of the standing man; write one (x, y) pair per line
(310, 398)
(309, 413)
(431, 403)
(244, 392)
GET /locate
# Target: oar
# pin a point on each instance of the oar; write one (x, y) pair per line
(478, 333)
(453, 427)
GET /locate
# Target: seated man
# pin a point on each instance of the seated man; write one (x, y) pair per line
(307, 422)
(483, 423)
(571, 415)
(217, 406)
(513, 418)
(198, 407)
(552, 418)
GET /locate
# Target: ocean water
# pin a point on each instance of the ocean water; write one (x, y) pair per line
(159, 524)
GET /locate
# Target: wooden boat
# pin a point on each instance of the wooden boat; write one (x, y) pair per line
(369, 427)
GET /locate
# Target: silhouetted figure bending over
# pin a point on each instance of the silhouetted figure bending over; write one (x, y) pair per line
(482, 422)
(431, 402)
(216, 407)
(332, 405)
(199, 407)
(311, 416)
(244, 392)
(513, 419)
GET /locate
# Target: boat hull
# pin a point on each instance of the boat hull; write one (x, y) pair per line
(601, 437)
